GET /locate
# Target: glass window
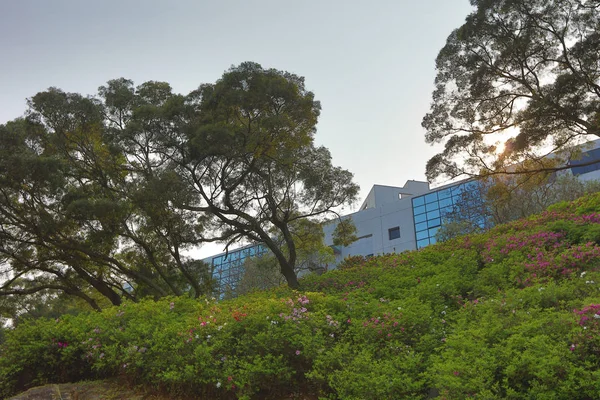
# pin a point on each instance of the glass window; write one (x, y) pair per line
(421, 226)
(422, 235)
(419, 210)
(446, 202)
(431, 197)
(446, 210)
(433, 231)
(480, 222)
(434, 222)
(432, 240)
(420, 218)
(422, 243)
(433, 214)
(587, 157)
(432, 206)
(457, 190)
(471, 185)
(418, 201)
(394, 233)
(444, 193)
(217, 260)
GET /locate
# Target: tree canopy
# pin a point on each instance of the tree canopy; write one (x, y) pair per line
(105, 197)
(522, 72)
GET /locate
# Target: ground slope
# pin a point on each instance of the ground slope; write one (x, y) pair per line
(513, 313)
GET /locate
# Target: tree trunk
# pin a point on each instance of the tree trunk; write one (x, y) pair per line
(290, 275)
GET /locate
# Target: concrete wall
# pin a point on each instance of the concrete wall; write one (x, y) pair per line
(385, 207)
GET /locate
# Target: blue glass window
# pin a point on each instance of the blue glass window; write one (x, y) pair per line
(431, 197)
(432, 240)
(422, 243)
(217, 260)
(421, 226)
(445, 211)
(444, 193)
(418, 201)
(432, 206)
(420, 218)
(588, 156)
(446, 202)
(434, 222)
(457, 190)
(433, 231)
(419, 210)
(422, 235)
(433, 214)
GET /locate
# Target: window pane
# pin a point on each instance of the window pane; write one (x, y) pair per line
(446, 202)
(422, 243)
(471, 185)
(418, 201)
(586, 157)
(420, 218)
(394, 233)
(445, 193)
(431, 197)
(445, 211)
(421, 226)
(422, 235)
(433, 231)
(419, 210)
(457, 190)
(432, 206)
(433, 214)
(434, 222)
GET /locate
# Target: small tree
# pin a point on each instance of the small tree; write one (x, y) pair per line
(498, 200)
(344, 233)
(313, 257)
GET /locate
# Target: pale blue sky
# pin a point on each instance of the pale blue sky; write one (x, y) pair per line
(370, 63)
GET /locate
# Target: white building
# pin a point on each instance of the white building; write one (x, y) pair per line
(393, 219)
(384, 221)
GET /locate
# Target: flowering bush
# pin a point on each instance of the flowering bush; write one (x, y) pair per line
(512, 313)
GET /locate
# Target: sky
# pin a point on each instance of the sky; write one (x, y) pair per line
(371, 64)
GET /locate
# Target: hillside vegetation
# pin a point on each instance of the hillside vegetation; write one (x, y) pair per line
(510, 314)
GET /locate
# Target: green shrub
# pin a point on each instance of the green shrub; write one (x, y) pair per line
(512, 313)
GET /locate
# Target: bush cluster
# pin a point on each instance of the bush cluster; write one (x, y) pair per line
(513, 313)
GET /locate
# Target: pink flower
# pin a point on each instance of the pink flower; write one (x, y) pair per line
(297, 352)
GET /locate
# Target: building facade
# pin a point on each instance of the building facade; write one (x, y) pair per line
(393, 219)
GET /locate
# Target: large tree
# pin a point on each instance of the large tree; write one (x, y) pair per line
(522, 72)
(107, 195)
(79, 215)
(252, 164)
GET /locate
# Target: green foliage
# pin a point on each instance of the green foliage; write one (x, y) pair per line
(498, 200)
(520, 71)
(344, 233)
(512, 313)
(106, 196)
(260, 273)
